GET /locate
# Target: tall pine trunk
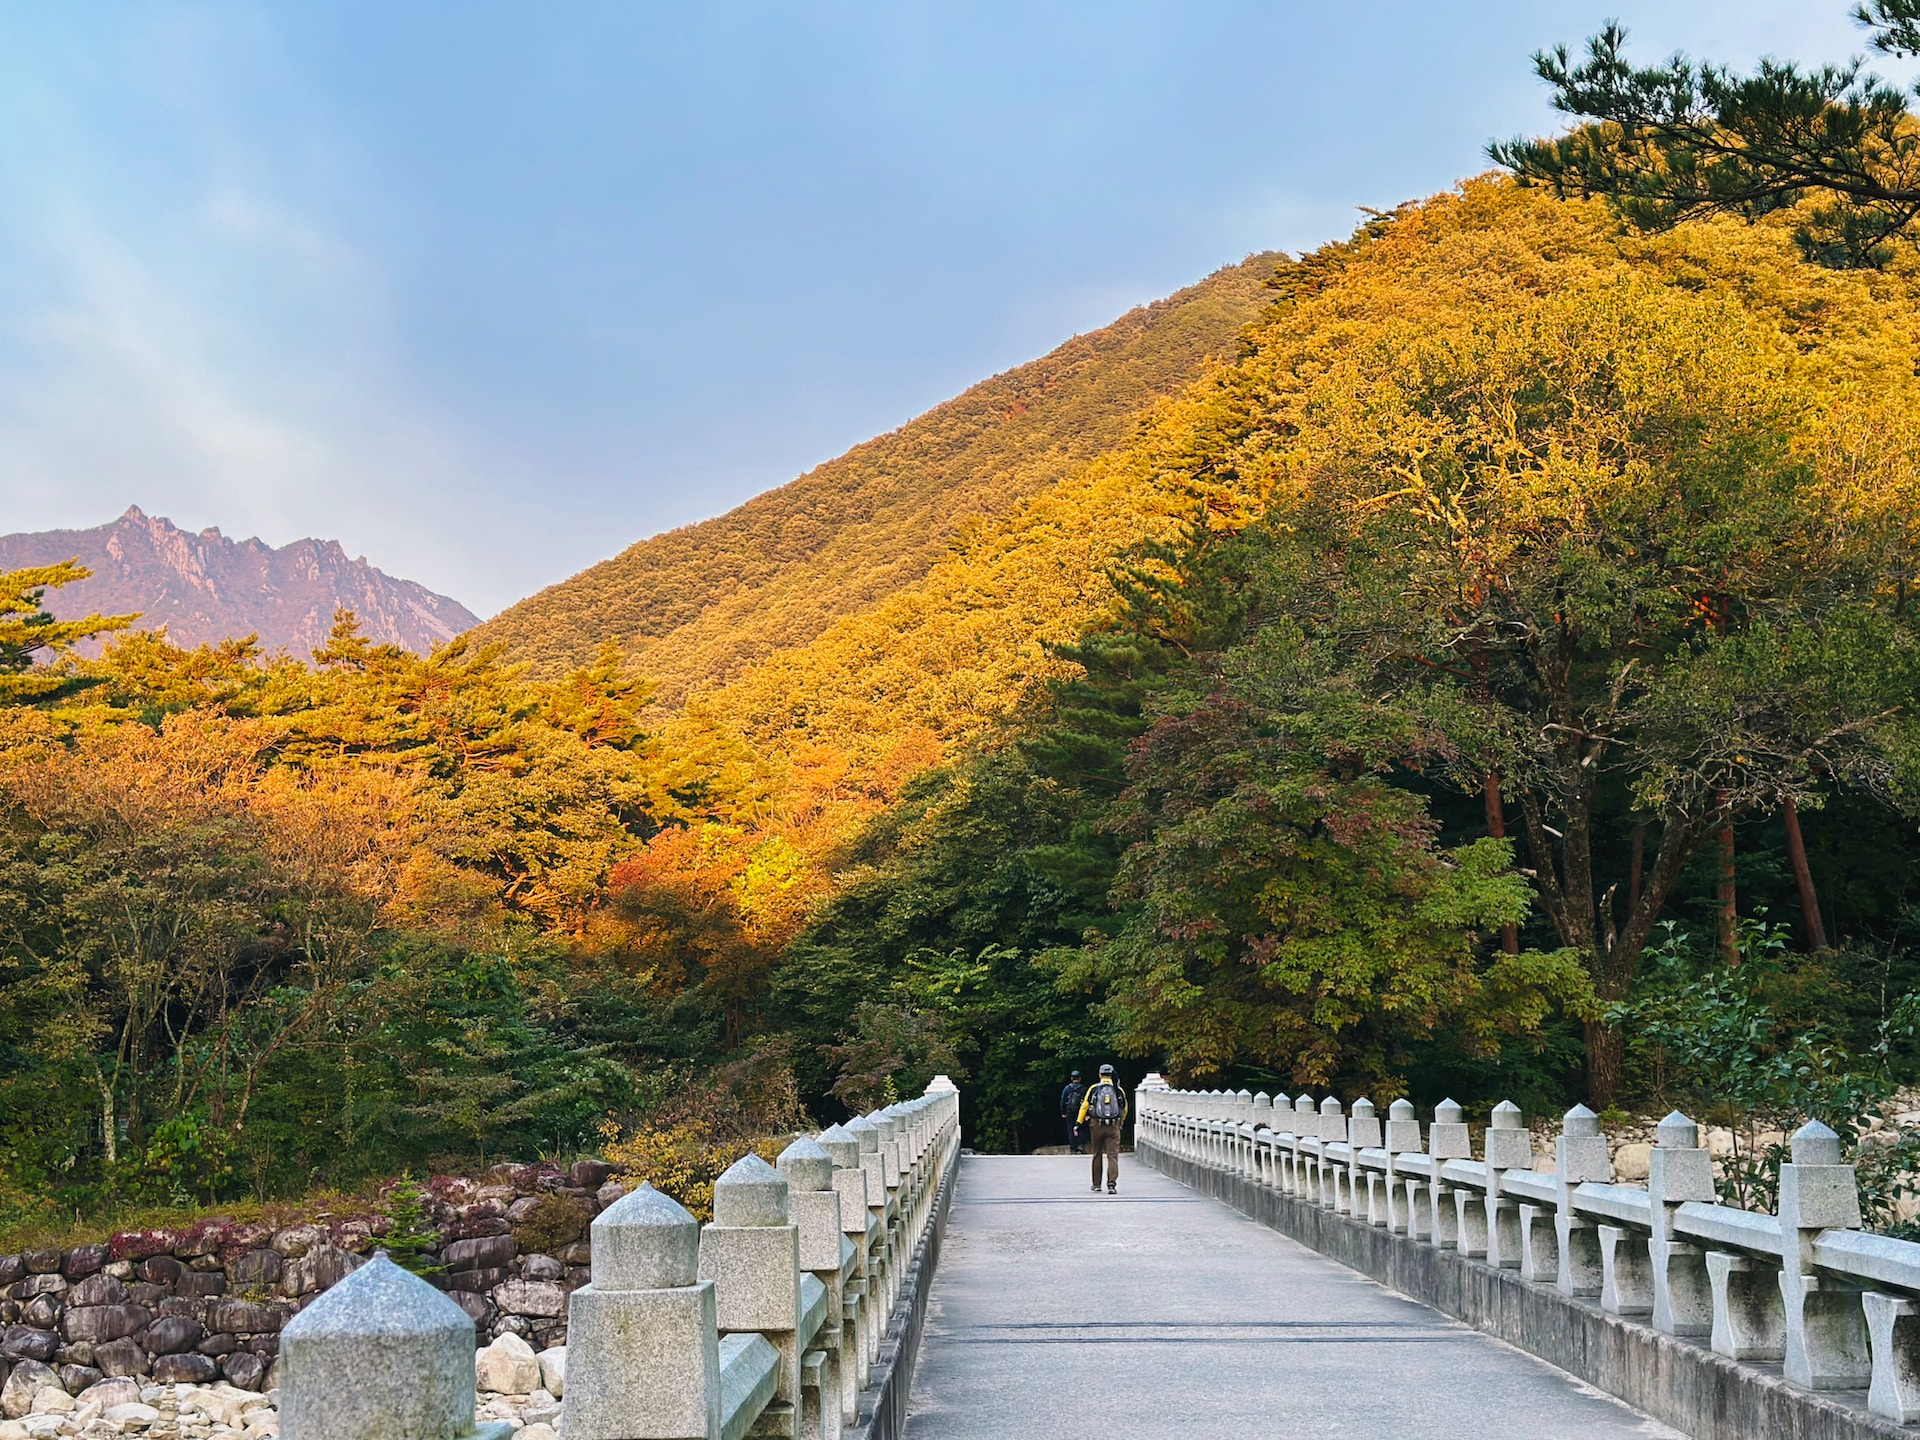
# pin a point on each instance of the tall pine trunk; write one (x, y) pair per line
(1497, 827)
(1729, 909)
(1803, 878)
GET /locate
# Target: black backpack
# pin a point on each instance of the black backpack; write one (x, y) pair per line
(1104, 1102)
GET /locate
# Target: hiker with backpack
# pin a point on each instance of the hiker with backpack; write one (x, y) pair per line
(1070, 1111)
(1103, 1111)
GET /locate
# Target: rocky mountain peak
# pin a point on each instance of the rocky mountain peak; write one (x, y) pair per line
(203, 588)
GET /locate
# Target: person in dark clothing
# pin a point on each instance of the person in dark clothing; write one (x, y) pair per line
(1070, 1111)
(1103, 1110)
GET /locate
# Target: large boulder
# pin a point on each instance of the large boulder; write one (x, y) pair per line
(171, 1334)
(189, 1369)
(320, 1268)
(244, 1369)
(76, 1378)
(240, 1317)
(257, 1269)
(104, 1395)
(103, 1322)
(507, 1367)
(553, 1371)
(27, 1380)
(98, 1289)
(120, 1357)
(84, 1260)
(483, 1252)
(22, 1342)
(161, 1270)
(531, 1297)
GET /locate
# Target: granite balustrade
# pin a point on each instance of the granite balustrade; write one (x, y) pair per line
(795, 1313)
(1804, 1294)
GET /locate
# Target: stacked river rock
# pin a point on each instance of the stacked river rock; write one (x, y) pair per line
(205, 1306)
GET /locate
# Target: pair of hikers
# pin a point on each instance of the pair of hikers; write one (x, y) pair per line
(1101, 1108)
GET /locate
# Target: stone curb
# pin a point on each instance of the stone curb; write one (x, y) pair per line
(1687, 1386)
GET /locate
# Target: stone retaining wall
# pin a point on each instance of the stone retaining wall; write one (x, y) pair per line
(207, 1303)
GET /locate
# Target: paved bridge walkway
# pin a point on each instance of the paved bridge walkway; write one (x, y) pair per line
(1162, 1313)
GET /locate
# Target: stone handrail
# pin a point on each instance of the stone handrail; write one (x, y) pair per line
(770, 1321)
(1837, 1307)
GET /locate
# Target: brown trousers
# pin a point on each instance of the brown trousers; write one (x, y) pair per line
(1103, 1143)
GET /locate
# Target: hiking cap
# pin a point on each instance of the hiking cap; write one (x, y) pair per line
(1106, 1069)
(1074, 1076)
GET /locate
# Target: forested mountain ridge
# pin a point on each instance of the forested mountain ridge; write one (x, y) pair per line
(702, 603)
(205, 588)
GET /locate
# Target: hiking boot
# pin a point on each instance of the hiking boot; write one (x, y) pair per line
(1113, 1189)
(1096, 1189)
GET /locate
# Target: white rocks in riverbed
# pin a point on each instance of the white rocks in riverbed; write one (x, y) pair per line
(541, 1409)
(507, 1367)
(553, 1370)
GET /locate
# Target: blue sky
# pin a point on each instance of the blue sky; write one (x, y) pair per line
(489, 291)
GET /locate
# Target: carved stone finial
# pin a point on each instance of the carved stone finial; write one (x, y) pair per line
(645, 1240)
(806, 1165)
(1677, 1132)
(750, 1192)
(1816, 1144)
(1579, 1123)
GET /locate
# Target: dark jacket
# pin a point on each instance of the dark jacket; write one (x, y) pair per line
(1070, 1098)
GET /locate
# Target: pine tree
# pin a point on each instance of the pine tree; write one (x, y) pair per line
(27, 629)
(1675, 141)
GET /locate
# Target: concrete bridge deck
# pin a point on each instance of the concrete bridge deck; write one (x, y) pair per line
(1056, 1314)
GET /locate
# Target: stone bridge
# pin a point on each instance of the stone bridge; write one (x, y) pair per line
(1268, 1268)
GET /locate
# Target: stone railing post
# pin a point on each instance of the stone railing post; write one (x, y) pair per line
(381, 1353)
(1447, 1139)
(1306, 1148)
(850, 1184)
(1262, 1167)
(1403, 1137)
(888, 1127)
(751, 1253)
(1678, 1170)
(814, 1206)
(1580, 1155)
(1333, 1128)
(1363, 1130)
(1826, 1340)
(879, 1281)
(1243, 1134)
(1508, 1146)
(643, 1352)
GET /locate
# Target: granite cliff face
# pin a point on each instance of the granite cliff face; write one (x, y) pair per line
(204, 588)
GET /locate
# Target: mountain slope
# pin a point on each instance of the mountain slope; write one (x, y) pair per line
(705, 602)
(205, 588)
